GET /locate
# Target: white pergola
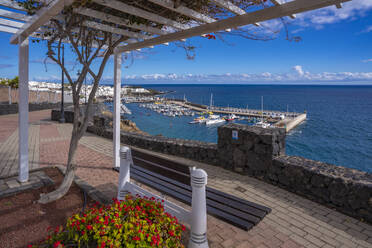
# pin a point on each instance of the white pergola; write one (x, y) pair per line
(146, 36)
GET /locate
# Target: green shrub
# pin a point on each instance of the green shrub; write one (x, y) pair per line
(10, 82)
(135, 222)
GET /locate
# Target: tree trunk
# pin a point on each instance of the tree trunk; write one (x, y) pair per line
(70, 168)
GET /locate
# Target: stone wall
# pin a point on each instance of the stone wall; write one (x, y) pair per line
(191, 149)
(348, 190)
(260, 153)
(252, 149)
(6, 109)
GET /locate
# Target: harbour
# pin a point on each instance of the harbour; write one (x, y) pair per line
(211, 115)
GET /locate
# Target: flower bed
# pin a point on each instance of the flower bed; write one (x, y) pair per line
(134, 222)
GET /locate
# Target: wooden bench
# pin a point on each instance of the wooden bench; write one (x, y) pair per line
(173, 179)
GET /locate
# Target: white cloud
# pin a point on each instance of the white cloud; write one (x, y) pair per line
(299, 70)
(367, 29)
(349, 11)
(297, 75)
(367, 60)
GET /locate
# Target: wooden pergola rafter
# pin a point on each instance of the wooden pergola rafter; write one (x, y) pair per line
(140, 36)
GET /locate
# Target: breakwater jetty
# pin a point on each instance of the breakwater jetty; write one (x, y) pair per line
(286, 120)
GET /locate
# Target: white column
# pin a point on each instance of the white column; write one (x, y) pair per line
(117, 103)
(198, 237)
(23, 110)
(124, 177)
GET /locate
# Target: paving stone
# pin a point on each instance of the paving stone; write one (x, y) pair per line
(330, 241)
(228, 243)
(327, 232)
(345, 241)
(297, 231)
(328, 246)
(357, 234)
(314, 240)
(245, 244)
(299, 239)
(12, 183)
(353, 226)
(289, 244)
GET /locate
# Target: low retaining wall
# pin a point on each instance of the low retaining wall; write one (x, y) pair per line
(348, 190)
(191, 149)
(11, 95)
(6, 109)
(260, 153)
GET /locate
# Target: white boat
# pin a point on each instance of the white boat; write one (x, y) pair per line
(214, 121)
(125, 110)
(200, 119)
(262, 124)
(231, 117)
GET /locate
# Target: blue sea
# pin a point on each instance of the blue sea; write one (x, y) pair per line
(338, 129)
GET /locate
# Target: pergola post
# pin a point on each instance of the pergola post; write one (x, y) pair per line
(23, 109)
(117, 103)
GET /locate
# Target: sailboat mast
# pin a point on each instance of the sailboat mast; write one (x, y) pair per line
(211, 101)
(287, 109)
(262, 108)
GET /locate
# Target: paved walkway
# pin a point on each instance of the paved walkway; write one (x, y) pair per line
(294, 221)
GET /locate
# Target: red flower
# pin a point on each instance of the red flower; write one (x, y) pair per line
(57, 244)
(103, 244)
(136, 238)
(89, 227)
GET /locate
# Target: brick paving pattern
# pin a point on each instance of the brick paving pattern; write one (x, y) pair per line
(293, 222)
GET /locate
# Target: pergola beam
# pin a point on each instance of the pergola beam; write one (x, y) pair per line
(232, 8)
(141, 13)
(14, 15)
(229, 6)
(266, 14)
(169, 4)
(110, 29)
(7, 29)
(10, 23)
(278, 3)
(11, 4)
(118, 20)
(40, 18)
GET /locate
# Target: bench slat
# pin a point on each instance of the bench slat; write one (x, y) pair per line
(165, 162)
(225, 208)
(241, 223)
(242, 205)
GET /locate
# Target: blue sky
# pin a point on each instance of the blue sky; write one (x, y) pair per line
(336, 47)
